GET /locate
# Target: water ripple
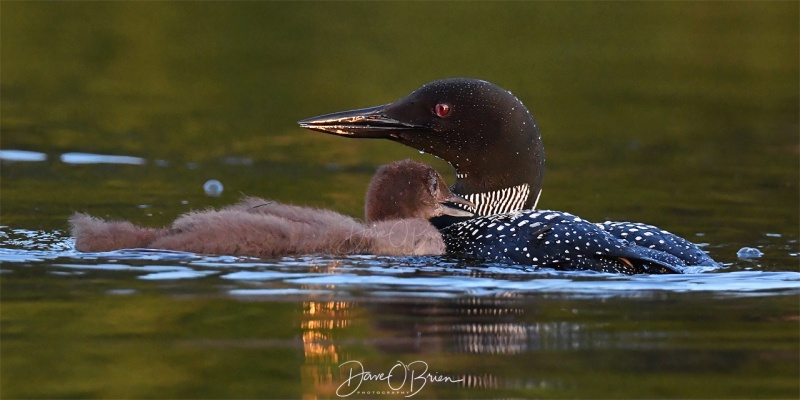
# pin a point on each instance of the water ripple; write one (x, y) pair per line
(88, 158)
(374, 276)
(22, 155)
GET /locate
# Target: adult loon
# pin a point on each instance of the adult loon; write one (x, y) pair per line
(482, 130)
(400, 200)
(494, 144)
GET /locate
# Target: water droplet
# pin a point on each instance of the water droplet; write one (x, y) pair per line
(213, 188)
(749, 252)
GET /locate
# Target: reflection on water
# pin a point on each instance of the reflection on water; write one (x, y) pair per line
(471, 327)
(70, 158)
(84, 158)
(21, 155)
(386, 277)
(320, 324)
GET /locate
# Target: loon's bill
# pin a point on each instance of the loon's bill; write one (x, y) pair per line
(369, 122)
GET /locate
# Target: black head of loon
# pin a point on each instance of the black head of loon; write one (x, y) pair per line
(478, 127)
(410, 189)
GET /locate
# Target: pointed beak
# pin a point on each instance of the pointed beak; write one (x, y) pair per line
(447, 209)
(369, 122)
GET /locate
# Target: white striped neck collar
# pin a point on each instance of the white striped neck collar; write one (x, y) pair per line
(501, 201)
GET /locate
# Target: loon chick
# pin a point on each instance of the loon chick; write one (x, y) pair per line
(492, 141)
(401, 197)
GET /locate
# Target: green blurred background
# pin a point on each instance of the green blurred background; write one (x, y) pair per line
(683, 114)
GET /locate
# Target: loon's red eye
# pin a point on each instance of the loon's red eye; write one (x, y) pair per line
(442, 110)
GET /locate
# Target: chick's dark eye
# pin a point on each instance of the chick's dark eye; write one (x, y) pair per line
(433, 183)
(442, 110)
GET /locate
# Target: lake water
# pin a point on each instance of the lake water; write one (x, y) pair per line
(682, 115)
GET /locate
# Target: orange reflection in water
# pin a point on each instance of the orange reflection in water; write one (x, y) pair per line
(320, 320)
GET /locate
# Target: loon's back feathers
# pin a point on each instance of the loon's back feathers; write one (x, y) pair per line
(554, 239)
(654, 238)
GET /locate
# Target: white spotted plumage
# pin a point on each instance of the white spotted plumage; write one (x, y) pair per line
(561, 240)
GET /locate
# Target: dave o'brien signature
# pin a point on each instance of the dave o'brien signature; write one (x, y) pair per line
(414, 373)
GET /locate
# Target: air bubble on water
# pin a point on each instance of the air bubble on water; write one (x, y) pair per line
(213, 188)
(749, 252)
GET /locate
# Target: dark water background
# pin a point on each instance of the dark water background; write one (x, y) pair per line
(679, 114)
